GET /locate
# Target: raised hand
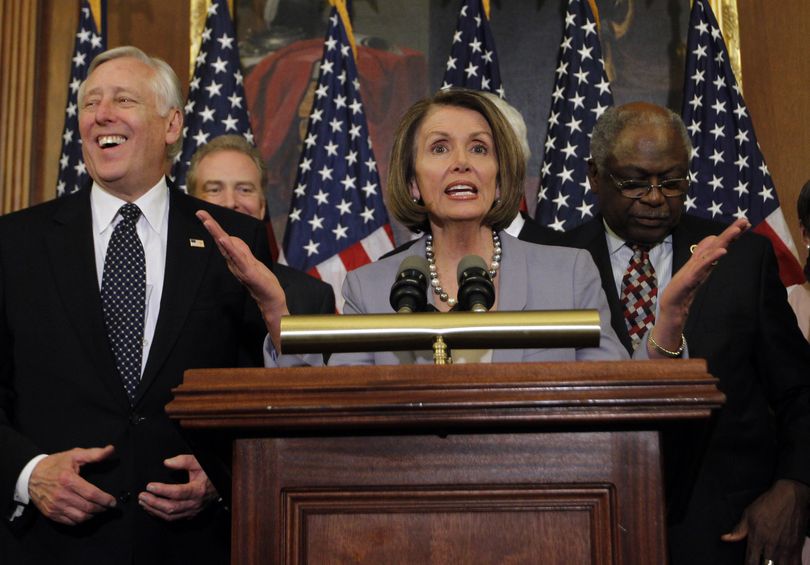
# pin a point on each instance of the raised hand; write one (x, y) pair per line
(676, 300)
(259, 280)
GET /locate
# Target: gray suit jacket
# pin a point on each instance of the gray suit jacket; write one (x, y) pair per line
(532, 277)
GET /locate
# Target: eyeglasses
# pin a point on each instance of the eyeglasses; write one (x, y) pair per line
(636, 189)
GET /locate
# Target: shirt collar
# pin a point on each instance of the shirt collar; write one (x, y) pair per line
(153, 205)
(615, 243)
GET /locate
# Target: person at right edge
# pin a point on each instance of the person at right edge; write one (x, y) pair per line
(799, 299)
(746, 500)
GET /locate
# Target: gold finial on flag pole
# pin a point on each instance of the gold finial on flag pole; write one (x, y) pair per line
(347, 23)
(725, 11)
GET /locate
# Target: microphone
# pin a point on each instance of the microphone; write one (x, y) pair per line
(476, 292)
(409, 292)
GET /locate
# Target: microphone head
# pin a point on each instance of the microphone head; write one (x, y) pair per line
(470, 263)
(476, 291)
(414, 263)
(409, 291)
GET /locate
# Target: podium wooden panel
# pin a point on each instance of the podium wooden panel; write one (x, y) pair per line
(518, 463)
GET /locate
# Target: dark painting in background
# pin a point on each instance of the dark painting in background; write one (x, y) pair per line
(403, 51)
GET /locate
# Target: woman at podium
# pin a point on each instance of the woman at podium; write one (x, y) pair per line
(456, 176)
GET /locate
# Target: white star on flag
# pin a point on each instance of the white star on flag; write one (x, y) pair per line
(733, 180)
(214, 104)
(324, 237)
(581, 94)
(473, 62)
(89, 43)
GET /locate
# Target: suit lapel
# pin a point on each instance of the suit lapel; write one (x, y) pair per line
(71, 252)
(683, 238)
(594, 240)
(185, 266)
(513, 290)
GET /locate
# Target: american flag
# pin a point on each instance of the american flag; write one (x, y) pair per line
(473, 62)
(729, 177)
(89, 43)
(581, 94)
(216, 102)
(337, 220)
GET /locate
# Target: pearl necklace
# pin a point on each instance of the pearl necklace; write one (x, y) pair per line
(434, 273)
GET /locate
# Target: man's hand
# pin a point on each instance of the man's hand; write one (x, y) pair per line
(259, 280)
(61, 494)
(674, 303)
(177, 502)
(775, 524)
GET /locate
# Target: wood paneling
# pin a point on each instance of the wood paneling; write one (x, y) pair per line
(58, 22)
(18, 47)
(551, 462)
(440, 525)
(459, 395)
(159, 27)
(776, 71)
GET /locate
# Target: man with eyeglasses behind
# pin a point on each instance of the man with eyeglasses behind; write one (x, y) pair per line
(746, 477)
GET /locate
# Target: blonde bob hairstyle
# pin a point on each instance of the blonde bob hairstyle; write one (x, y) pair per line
(511, 163)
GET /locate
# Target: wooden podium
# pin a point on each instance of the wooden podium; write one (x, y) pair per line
(492, 463)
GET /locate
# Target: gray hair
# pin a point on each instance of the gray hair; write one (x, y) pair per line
(515, 119)
(615, 119)
(165, 84)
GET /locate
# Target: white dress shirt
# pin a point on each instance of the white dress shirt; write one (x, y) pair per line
(152, 227)
(620, 254)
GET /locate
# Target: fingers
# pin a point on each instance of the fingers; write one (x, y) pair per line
(61, 494)
(185, 461)
(92, 455)
(774, 524)
(173, 502)
(211, 225)
(221, 238)
(255, 275)
(734, 231)
(739, 533)
(754, 554)
(236, 252)
(714, 247)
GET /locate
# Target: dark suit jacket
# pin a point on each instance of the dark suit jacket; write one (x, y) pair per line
(59, 388)
(741, 324)
(305, 294)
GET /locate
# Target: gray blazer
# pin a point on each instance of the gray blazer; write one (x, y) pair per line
(533, 277)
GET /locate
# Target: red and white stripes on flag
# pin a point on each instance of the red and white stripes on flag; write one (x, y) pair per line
(337, 220)
(729, 177)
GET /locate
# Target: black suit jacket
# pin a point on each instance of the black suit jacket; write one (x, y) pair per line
(305, 294)
(741, 324)
(59, 388)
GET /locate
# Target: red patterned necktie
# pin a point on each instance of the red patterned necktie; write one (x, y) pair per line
(639, 293)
